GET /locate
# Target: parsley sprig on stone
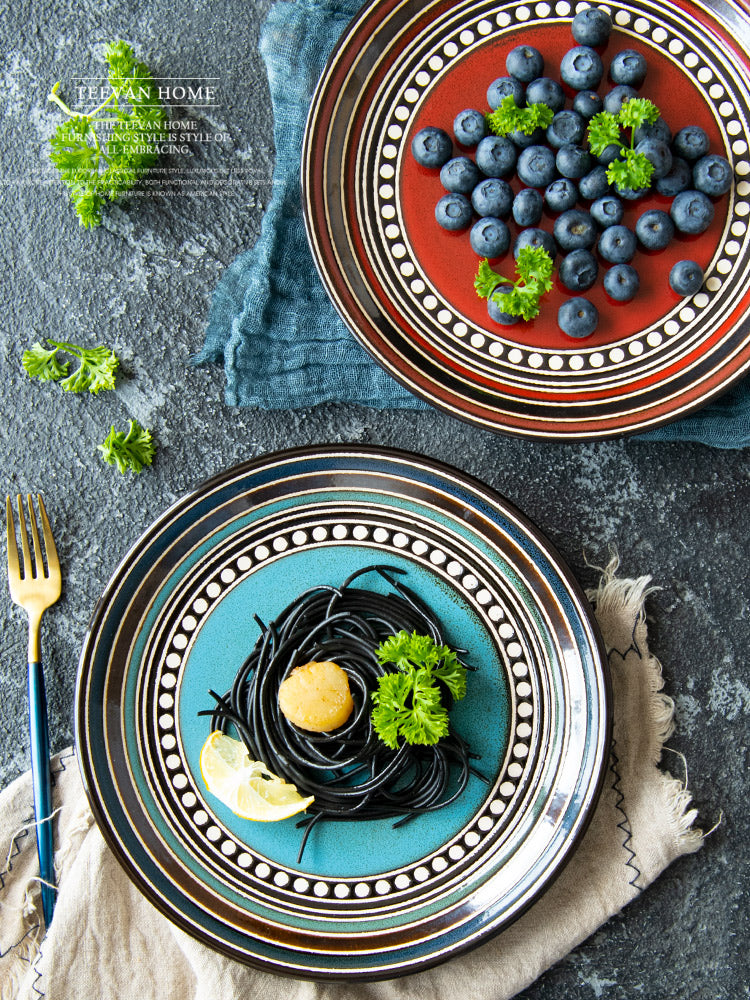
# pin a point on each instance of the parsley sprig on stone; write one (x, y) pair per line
(103, 153)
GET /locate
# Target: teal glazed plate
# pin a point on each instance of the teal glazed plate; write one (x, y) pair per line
(366, 900)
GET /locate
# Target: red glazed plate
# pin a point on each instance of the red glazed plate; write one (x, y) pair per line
(404, 286)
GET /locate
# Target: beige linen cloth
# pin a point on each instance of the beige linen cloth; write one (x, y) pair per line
(107, 941)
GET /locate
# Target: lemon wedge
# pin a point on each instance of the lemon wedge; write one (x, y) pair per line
(246, 786)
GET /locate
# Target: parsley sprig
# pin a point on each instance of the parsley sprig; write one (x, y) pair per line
(534, 277)
(96, 366)
(631, 170)
(98, 168)
(408, 700)
(132, 449)
(508, 117)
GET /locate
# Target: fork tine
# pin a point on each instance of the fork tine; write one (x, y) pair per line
(53, 562)
(27, 567)
(38, 557)
(13, 567)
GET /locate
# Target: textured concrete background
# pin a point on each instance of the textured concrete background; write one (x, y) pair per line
(142, 283)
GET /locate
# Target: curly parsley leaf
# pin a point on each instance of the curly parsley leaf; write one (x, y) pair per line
(132, 449)
(96, 366)
(604, 130)
(638, 111)
(427, 720)
(102, 154)
(408, 700)
(508, 117)
(631, 170)
(43, 364)
(534, 278)
(534, 265)
(486, 280)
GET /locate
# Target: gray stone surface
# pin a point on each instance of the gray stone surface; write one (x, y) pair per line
(143, 281)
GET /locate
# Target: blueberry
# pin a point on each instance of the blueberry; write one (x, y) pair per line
(496, 156)
(453, 212)
(581, 68)
(502, 87)
(431, 147)
(566, 127)
(609, 154)
(587, 103)
(544, 90)
(492, 196)
(686, 277)
(574, 230)
(591, 26)
(692, 212)
(572, 161)
(690, 143)
(653, 130)
(658, 153)
(621, 282)
(536, 166)
(495, 311)
(713, 175)
(630, 194)
(578, 270)
(469, 127)
(459, 175)
(617, 245)
(489, 237)
(679, 178)
(614, 100)
(577, 317)
(561, 195)
(607, 211)
(535, 238)
(654, 229)
(527, 207)
(594, 185)
(522, 140)
(525, 63)
(628, 67)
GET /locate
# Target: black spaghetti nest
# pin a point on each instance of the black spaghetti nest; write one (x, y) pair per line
(350, 771)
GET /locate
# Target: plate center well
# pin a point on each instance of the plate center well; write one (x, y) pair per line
(448, 260)
(226, 637)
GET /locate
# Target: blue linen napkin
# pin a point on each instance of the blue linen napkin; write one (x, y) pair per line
(271, 321)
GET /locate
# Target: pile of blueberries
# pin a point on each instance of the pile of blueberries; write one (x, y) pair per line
(559, 171)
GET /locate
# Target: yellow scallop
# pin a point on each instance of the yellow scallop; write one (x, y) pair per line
(316, 697)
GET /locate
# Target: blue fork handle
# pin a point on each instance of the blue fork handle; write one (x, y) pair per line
(40, 774)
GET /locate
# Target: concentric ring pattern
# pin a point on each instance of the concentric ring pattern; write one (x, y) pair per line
(177, 620)
(389, 76)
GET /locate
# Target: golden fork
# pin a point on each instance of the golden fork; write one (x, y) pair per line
(35, 584)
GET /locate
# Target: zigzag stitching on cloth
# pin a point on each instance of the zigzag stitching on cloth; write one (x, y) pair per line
(633, 647)
(15, 852)
(34, 985)
(61, 761)
(20, 941)
(54, 773)
(624, 824)
(24, 832)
